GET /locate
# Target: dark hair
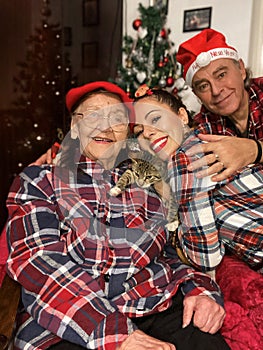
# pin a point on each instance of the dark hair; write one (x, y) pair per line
(247, 80)
(163, 96)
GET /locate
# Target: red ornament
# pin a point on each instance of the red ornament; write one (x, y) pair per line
(170, 81)
(163, 33)
(166, 59)
(137, 23)
(160, 64)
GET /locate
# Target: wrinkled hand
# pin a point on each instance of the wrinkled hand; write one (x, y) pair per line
(138, 340)
(207, 315)
(229, 154)
(46, 158)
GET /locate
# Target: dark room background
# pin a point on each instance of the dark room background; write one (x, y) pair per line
(47, 47)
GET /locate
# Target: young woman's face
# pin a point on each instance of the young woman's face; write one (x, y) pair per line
(159, 130)
(101, 124)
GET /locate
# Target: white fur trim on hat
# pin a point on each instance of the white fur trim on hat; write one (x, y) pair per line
(204, 58)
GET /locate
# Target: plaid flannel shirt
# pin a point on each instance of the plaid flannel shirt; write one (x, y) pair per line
(210, 123)
(88, 262)
(214, 215)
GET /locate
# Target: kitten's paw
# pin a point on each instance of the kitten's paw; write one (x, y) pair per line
(172, 226)
(115, 191)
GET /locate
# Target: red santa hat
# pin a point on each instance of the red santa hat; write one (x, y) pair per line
(200, 50)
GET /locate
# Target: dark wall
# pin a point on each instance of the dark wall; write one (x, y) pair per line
(92, 38)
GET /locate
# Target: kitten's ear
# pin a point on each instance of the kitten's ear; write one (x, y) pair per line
(134, 161)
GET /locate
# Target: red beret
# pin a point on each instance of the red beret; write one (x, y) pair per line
(75, 94)
(201, 49)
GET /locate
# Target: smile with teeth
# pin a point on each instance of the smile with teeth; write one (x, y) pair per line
(101, 139)
(158, 145)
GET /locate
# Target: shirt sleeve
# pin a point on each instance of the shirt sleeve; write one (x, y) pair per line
(198, 233)
(192, 282)
(57, 291)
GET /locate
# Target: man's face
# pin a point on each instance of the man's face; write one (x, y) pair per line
(220, 86)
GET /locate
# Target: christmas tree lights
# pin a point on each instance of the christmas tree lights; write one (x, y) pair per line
(149, 57)
(38, 113)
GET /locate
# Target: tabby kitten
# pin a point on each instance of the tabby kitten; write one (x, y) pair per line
(146, 171)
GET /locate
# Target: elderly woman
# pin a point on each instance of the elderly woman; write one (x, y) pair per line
(93, 270)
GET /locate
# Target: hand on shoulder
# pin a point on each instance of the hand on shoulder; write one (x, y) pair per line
(219, 154)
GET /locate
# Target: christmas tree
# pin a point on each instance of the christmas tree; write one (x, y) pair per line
(38, 115)
(150, 56)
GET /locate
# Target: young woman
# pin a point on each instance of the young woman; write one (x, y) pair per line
(214, 217)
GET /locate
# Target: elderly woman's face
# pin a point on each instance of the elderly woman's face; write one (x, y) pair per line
(101, 124)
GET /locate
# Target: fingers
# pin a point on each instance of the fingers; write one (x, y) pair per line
(211, 138)
(233, 153)
(223, 175)
(217, 325)
(49, 156)
(201, 162)
(138, 340)
(211, 325)
(189, 304)
(46, 158)
(209, 322)
(205, 148)
(208, 316)
(41, 160)
(211, 163)
(207, 157)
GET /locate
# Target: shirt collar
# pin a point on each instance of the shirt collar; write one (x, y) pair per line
(90, 167)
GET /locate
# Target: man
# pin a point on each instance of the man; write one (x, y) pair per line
(232, 104)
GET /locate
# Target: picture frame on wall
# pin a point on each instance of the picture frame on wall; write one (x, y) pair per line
(197, 19)
(90, 12)
(90, 54)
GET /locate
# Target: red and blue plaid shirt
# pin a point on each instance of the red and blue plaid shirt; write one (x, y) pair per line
(217, 215)
(88, 262)
(208, 122)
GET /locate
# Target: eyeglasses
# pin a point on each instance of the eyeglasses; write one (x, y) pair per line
(118, 120)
